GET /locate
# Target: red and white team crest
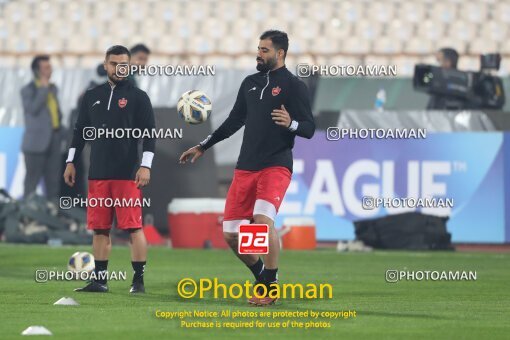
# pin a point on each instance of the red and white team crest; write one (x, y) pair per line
(276, 91)
(122, 103)
(253, 239)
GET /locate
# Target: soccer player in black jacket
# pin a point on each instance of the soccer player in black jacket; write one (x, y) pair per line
(115, 171)
(274, 107)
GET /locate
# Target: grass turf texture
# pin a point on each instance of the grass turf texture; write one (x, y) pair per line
(417, 309)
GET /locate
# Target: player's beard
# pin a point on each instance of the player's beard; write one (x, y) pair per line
(114, 79)
(266, 66)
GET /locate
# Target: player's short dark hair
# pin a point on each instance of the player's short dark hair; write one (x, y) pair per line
(140, 48)
(451, 54)
(35, 62)
(117, 50)
(279, 39)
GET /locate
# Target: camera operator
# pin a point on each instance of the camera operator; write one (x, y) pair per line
(447, 59)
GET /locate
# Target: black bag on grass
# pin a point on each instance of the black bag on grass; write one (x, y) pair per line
(413, 231)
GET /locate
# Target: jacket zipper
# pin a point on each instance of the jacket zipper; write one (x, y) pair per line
(262, 92)
(111, 94)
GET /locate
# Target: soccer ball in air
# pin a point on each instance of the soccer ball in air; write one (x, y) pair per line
(81, 262)
(194, 107)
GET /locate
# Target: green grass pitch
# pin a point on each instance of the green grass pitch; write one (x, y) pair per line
(407, 309)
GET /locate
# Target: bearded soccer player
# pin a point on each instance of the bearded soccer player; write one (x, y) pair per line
(115, 171)
(274, 107)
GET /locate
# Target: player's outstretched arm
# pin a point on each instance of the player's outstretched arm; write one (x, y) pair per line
(191, 154)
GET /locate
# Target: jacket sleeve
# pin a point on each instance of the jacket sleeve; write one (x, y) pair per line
(234, 121)
(78, 141)
(34, 101)
(146, 122)
(300, 111)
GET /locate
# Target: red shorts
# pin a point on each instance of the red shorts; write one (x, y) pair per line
(100, 216)
(255, 192)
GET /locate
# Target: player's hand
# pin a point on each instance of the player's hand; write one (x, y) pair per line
(70, 174)
(281, 117)
(143, 176)
(194, 153)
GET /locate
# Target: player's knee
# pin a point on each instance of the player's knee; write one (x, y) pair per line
(134, 230)
(262, 219)
(102, 232)
(231, 239)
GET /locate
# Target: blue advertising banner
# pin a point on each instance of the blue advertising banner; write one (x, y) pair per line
(12, 168)
(506, 175)
(331, 178)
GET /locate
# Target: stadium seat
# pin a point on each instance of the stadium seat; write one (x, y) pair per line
(446, 12)
(319, 11)
(463, 30)
(182, 29)
(474, 12)
(228, 11)
(322, 28)
(271, 23)
(431, 30)
(482, 46)
(336, 29)
(106, 41)
(299, 46)
(195, 11)
(400, 30)
(17, 12)
(307, 29)
(381, 12)
(351, 11)
(166, 10)
(418, 45)
(324, 45)
(152, 30)
(18, 44)
(168, 44)
(214, 28)
(135, 11)
(234, 45)
(411, 12)
(81, 45)
(387, 45)
(505, 48)
(200, 44)
(355, 45)
(501, 12)
(257, 12)
(244, 28)
(368, 30)
(495, 31)
(288, 11)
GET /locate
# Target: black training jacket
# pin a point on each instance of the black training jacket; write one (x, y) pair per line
(266, 144)
(105, 107)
